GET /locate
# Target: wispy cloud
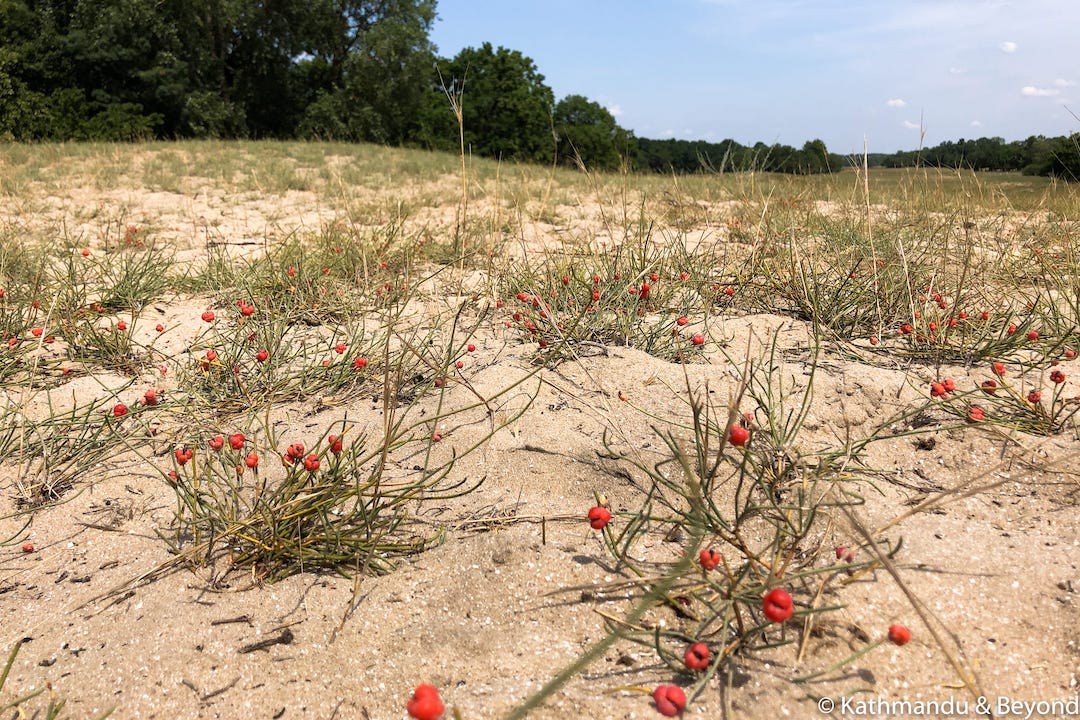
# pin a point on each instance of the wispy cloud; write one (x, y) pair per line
(1062, 82)
(1008, 47)
(957, 71)
(976, 123)
(895, 102)
(615, 109)
(912, 126)
(1032, 91)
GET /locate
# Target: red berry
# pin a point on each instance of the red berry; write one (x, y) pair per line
(1034, 397)
(845, 553)
(159, 327)
(729, 291)
(899, 635)
(777, 605)
(998, 368)
(696, 656)
(121, 325)
(976, 414)
(335, 444)
(599, 517)
(873, 341)
(681, 322)
(311, 462)
(738, 435)
(216, 443)
(709, 558)
(359, 363)
(252, 459)
(182, 455)
(989, 387)
(698, 339)
(425, 703)
(119, 410)
(1032, 335)
(236, 441)
(262, 355)
(436, 436)
(37, 332)
(28, 547)
(670, 700)
(339, 348)
(470, 347)
(208, 316)
(1057, 377)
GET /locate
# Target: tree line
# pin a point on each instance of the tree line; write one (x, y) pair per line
(1037, 155)
(356, 71)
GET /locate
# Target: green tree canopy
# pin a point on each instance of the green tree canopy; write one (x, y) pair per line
(375, 73)
(506, 107)
(587, 132)
(121, 69)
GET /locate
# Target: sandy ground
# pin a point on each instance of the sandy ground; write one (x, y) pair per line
(508, 600)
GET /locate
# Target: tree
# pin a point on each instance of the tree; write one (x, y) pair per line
(507, 108)
(587, 132)
(121, 69)
(376, 89)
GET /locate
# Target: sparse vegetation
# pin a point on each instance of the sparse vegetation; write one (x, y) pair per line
(321, 368)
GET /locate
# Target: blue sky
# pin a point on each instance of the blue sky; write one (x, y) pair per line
(792, 70)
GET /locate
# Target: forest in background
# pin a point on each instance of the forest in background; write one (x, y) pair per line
(358, 71)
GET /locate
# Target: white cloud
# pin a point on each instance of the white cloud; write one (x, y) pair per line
(1008, 47)
(976, 123)
(912, 126)
(957, 71)
(896, 102)
(615, 109)
(1062, 82)
(1032, 91)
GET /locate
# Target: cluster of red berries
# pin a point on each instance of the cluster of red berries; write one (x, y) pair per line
(942, 389)
(295, 453)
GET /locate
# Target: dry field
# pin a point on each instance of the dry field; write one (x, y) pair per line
(287, 430)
